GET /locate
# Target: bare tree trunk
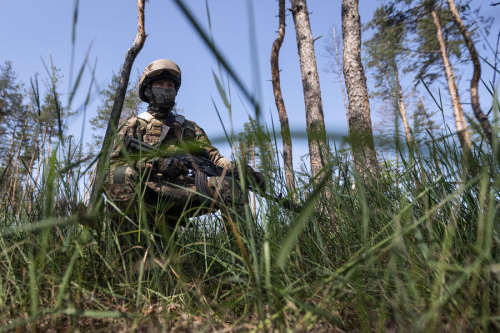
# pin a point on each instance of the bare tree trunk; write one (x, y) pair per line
(402, 110)
(12, 187)
(28, 182)
(130, 56)
(40, 162)
(9, 153)
(360, 126)
(341, 76)
(474, 96)
(280, 104)
(312, 93)
(458, 111)
(316, 133)
(401, 103)
(41, 157)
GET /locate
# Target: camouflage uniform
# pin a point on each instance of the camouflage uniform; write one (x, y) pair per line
(166, 199)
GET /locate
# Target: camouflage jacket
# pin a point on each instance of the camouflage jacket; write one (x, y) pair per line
(170, 133)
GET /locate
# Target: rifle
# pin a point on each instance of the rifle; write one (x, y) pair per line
(202, 167)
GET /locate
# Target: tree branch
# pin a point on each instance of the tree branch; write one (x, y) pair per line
(130, 56)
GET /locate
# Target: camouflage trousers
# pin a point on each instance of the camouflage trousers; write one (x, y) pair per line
(166, 203)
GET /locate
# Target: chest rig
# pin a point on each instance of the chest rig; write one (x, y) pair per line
(166, 132)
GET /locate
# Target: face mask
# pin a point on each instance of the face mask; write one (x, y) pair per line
(163, 97)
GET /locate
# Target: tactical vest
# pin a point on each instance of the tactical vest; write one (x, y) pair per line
(155, 132)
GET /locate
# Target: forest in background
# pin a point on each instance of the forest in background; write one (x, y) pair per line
(396, 232)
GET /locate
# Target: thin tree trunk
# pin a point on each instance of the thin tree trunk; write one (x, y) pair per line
(401, 103)
(474, 96)
(402, 111)
(341, 76)
(9, 153)
(130, 56)
(458, 111)
(360, 126)
(28, 182)
(40, 162)
(13, 188)
(316, 134)
(280, 104)
(318, 150)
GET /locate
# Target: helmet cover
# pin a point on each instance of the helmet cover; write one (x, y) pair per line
(159, 69)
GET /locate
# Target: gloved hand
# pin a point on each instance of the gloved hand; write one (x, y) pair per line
(170, 167)
(260, 181)
(257, 177)
(143, 164)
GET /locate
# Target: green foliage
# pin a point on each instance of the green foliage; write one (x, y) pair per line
(415, 252)
(131, 108)
(29, 126)
(421, 255)
(11, 96)
(386, 49)
(250, 149)
(416, 27)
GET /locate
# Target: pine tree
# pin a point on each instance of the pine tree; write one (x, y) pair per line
(437, 43)
(11, 106)
(360, 127)
(257, 152)
(478, 113)
(316, 132)
(131, 108)
(386, 51)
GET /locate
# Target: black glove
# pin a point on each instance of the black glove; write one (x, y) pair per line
(170, 167)
(258, 178)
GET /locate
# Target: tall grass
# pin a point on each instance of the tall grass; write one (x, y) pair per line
(421, 254)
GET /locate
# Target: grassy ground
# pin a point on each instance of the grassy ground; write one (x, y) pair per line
(418, 250)
(421, 256)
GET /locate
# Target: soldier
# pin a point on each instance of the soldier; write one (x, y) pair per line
(165, 191)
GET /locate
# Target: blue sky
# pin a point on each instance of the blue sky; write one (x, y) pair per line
(31, 29)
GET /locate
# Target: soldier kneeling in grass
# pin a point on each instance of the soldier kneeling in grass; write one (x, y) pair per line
(159, 189)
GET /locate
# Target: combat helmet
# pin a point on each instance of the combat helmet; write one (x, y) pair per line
(158, 69)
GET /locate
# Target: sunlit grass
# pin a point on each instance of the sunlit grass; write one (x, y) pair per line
(421, 254)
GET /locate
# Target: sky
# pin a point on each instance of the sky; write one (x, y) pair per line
(37, 29)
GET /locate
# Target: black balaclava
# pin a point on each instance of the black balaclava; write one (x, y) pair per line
(161, 100)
